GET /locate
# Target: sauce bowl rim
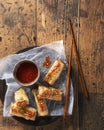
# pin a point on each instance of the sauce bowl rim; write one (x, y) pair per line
(16, 67)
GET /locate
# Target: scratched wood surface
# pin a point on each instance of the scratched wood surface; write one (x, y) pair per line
(26, 23)
(91, 48)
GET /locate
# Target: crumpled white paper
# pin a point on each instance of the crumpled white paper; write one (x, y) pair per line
(54, 50)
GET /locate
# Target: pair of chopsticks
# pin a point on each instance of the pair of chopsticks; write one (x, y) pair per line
(83, 85)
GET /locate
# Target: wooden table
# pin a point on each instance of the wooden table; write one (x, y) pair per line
(27, 23)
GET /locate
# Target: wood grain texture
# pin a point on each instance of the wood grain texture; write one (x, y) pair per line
(91, 45)
(91, 48)
(91, 113)
(26, 23)
(17, 25)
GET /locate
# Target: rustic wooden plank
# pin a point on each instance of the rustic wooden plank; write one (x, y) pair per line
(91, 45)
(91, 113)
(17, 25)
(91, 50)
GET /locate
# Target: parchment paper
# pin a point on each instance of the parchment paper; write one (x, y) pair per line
(54, 50)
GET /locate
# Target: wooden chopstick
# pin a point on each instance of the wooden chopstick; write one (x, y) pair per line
(83, 85)
(68, 81)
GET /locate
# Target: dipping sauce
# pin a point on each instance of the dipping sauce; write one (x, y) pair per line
(26, 72)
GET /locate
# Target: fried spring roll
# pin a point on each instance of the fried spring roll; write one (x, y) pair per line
(50, 93)
(54, 71)
(28, 113)
(21, 97)
(41, 104)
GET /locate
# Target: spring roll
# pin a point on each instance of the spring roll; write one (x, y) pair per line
(54, 72)
(50, 93)
(28, 113)
(41, 104)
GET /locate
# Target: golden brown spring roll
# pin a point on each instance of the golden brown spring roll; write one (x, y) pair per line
(54, 71)
(41, 104)
(21, 97)
(50, 93)
(28, 113)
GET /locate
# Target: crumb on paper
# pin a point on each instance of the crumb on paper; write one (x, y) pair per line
(47, 62)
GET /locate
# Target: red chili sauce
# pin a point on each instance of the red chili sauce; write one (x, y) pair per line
(27, 72)
(47, 62)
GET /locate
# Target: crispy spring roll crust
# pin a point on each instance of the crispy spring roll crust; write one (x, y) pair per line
(54, 71)
(50, 93)
(41, 104)
(21, 96)
(28, 113)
